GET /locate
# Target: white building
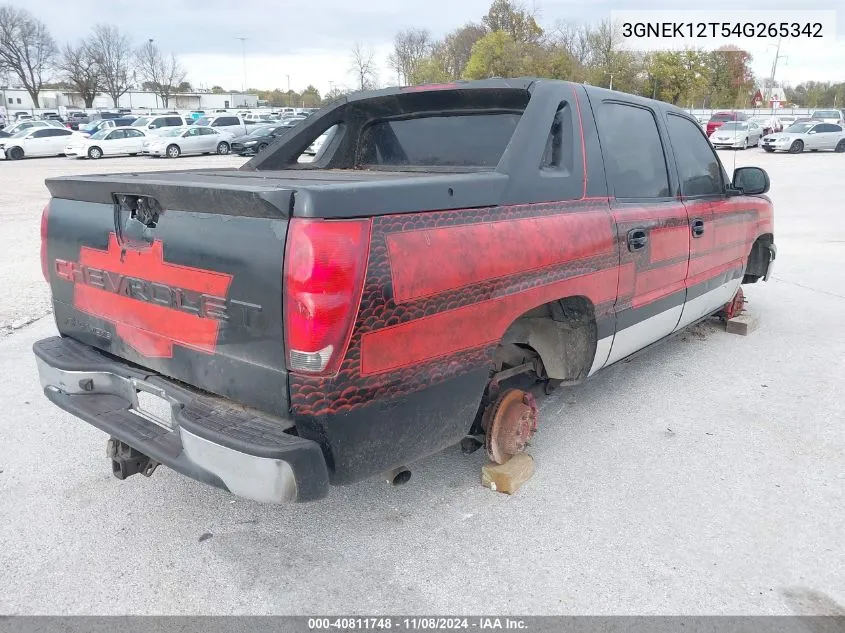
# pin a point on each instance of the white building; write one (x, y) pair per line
(18, 100)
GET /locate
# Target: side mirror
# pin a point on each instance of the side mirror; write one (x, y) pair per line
(811, 132)
(751, 181)
(153, 126)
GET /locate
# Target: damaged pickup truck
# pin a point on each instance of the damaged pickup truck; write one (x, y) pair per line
(312, 320)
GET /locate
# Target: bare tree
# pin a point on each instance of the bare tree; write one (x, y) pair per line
(78, 65)
(161, 73)
(455, 50)
(364, 66)
(113, 51)
(27, 49)
(410, 47)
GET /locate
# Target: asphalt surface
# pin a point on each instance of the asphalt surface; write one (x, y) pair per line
(706, 476)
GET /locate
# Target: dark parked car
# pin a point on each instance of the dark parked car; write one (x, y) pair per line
(95, 126)
(447, 252)
(76, 119)
(258, 139)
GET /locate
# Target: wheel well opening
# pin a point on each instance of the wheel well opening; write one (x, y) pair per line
(758, 259)
(561, 335)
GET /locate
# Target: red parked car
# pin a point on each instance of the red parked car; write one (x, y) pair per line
(719, 118)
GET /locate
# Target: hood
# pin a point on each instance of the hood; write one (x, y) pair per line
(778, 135)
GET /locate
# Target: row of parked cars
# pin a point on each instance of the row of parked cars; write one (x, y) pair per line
(168, 135)
(822, 130)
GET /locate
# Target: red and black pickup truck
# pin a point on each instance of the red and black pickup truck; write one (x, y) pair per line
(308, 320)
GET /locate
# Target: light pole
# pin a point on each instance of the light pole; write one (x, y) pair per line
(243, 55)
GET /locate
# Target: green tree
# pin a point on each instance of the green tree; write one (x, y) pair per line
(494, 55)
(513, 19)
(310, 97)
(678, 77)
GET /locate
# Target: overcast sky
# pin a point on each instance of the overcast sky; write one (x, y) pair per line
(309, 40)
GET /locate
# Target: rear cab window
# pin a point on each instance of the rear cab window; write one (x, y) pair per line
(423, 130)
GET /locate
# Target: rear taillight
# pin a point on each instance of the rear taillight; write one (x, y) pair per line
(45, 269)
(324, 269)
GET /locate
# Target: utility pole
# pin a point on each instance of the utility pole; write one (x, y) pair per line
(243, 56)
(288, 93)
(774, 69)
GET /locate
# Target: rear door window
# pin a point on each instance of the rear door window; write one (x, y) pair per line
(634, 158)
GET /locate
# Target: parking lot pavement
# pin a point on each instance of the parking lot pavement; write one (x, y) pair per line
(705, 476)
(23, 196)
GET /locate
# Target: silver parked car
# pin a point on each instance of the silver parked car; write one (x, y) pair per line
(810, 135)
(196, 139)
(737, 134)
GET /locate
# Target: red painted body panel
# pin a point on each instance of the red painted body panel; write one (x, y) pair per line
(474, 326)
(480, 252)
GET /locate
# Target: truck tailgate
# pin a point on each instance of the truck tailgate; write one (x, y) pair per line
(176, 275)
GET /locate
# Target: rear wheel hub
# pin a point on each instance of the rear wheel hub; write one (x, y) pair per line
(509, 423)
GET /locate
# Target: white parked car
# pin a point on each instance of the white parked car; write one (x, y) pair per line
(108, 142)
(837, 117)
(196, 139)
(38, 141)
(224, 123)
(155, 124)
(812, 136)
(29, 124)
(736, 134)
(254, 119)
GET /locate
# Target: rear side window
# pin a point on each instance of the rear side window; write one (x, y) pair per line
(452, 140)
(225, 120)
(699, 169)
(558, 155)
(173, 121)
(634, 159)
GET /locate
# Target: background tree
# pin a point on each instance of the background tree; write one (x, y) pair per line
(113, 52)
(27, 50)
(454, 52)
(337, 92)
(410, 48)
(162, 74)
(310, 97)
(512, 18)
(79, 68)
(496, 54)
(217, 90)
(364, 66)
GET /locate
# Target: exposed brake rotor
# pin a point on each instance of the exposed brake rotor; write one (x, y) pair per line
(509, 423)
